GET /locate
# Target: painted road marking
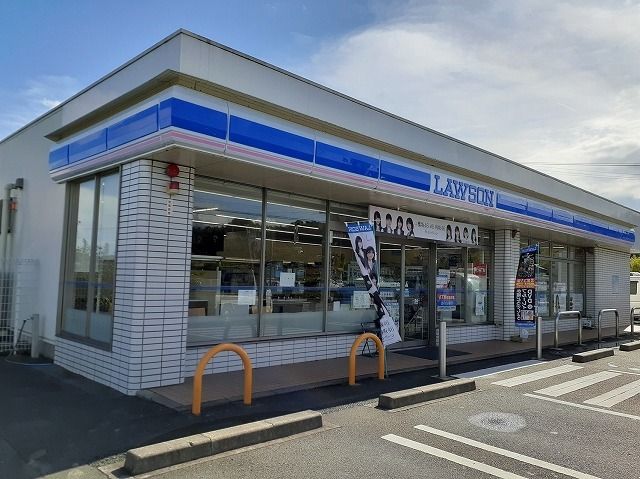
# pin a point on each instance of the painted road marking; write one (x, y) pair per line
(616, 396)
(582, 406)
(576, 384)
(481, 373)
(545, 373)
(463, 461)
(505, 452)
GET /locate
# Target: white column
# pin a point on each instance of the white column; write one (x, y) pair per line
(507, 251)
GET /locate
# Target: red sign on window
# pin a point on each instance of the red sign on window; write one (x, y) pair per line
(480, 269)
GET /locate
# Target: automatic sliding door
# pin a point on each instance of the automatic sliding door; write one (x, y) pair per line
(390, 278)
(416, 292)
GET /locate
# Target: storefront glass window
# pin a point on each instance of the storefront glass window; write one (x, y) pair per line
(576, 288)
(450, 285)
(294, 265)
(91, 259)
(348, 301)
(543, 288)
(479, 288)
(559, 286)
(225, 267)
(559, 251)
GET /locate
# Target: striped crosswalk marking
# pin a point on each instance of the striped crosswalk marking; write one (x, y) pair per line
(545, 373)
(505, 452)
(576, 384)
(616, 396)
(463, 461)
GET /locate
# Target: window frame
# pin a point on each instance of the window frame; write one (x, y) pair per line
(70, 219)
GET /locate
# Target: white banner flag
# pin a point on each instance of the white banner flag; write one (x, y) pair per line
(363, 243)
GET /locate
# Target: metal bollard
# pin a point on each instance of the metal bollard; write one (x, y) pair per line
(556, 336)
(539, 337)
(631, 321)
(443, 349)
(615, 311)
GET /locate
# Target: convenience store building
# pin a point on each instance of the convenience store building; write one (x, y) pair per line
(196, 196)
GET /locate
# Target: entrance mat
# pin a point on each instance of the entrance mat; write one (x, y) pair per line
(429, 353)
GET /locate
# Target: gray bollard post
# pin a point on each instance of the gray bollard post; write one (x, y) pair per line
(556, 335)
(35, 336)
(443, 349)
(539, 337)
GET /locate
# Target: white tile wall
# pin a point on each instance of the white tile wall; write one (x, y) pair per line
(152, 286)
(507, 253)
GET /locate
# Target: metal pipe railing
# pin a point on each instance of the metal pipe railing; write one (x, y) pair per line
(611, 310)
(631, 321)
(556, 338)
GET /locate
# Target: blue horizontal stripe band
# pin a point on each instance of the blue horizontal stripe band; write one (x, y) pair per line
(346, 160)
(263, 137)
(88, 145)
(192, 117)
(59, 157)
(404, 175)
(136, 126)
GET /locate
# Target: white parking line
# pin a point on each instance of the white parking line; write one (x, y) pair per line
(616, 396)
(481, 373)
(582, 406)
(505, 452)
(576, 384)
(463, 461)
(545, 373)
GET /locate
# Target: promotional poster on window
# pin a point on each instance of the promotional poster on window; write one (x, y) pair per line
(409, 225)
(525, 289)
(363, 243)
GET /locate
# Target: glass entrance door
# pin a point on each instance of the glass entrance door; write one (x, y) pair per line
(416, 292)
(404, 287)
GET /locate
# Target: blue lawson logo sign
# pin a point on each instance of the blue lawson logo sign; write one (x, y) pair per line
(463, 191)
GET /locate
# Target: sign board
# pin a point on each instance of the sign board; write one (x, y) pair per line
(525, 289)
(247, 296)
(409, 225)
(363, 243)
(287, 280)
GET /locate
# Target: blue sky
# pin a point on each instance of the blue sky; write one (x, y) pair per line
(552, 84)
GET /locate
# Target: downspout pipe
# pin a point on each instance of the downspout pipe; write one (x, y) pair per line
(4, 221)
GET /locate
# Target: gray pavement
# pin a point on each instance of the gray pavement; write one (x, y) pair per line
(370, 442)
(55, 422)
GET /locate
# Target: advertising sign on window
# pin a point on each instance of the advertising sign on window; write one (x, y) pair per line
(525, 288)
(409, 225)
(363, 243)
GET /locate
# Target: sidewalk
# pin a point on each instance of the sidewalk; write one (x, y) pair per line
(55, 421)
(224, 387)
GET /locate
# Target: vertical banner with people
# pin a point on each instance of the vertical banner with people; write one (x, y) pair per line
(525, 289)
(363, 243)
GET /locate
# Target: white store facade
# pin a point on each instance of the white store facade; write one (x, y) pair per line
(197, 196)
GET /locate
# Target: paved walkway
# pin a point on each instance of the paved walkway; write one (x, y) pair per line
(225, 387)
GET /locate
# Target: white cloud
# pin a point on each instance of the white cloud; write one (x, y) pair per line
(535, 81)
(37, 97)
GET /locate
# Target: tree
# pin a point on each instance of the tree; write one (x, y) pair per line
(634, 263)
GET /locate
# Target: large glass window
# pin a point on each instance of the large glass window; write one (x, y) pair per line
(225, 265)
(561, 278)
(348, 300)
(294, 265)
(450, 285)
(479, 289)
(91, 258)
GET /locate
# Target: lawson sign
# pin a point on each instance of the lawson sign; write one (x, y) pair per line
(461, 190)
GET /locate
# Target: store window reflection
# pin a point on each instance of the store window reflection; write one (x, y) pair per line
(450, 285)
(479, 289)
(225, 266)
(294, 265)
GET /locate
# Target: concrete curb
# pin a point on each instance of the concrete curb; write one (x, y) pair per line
(592, 355)
(632, 346)
(407, 397)
(176, 451)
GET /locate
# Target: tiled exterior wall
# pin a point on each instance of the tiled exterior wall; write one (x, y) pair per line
(276, 353)
(471, 334)
(152, 286)
(507, 253)
(611, 280)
